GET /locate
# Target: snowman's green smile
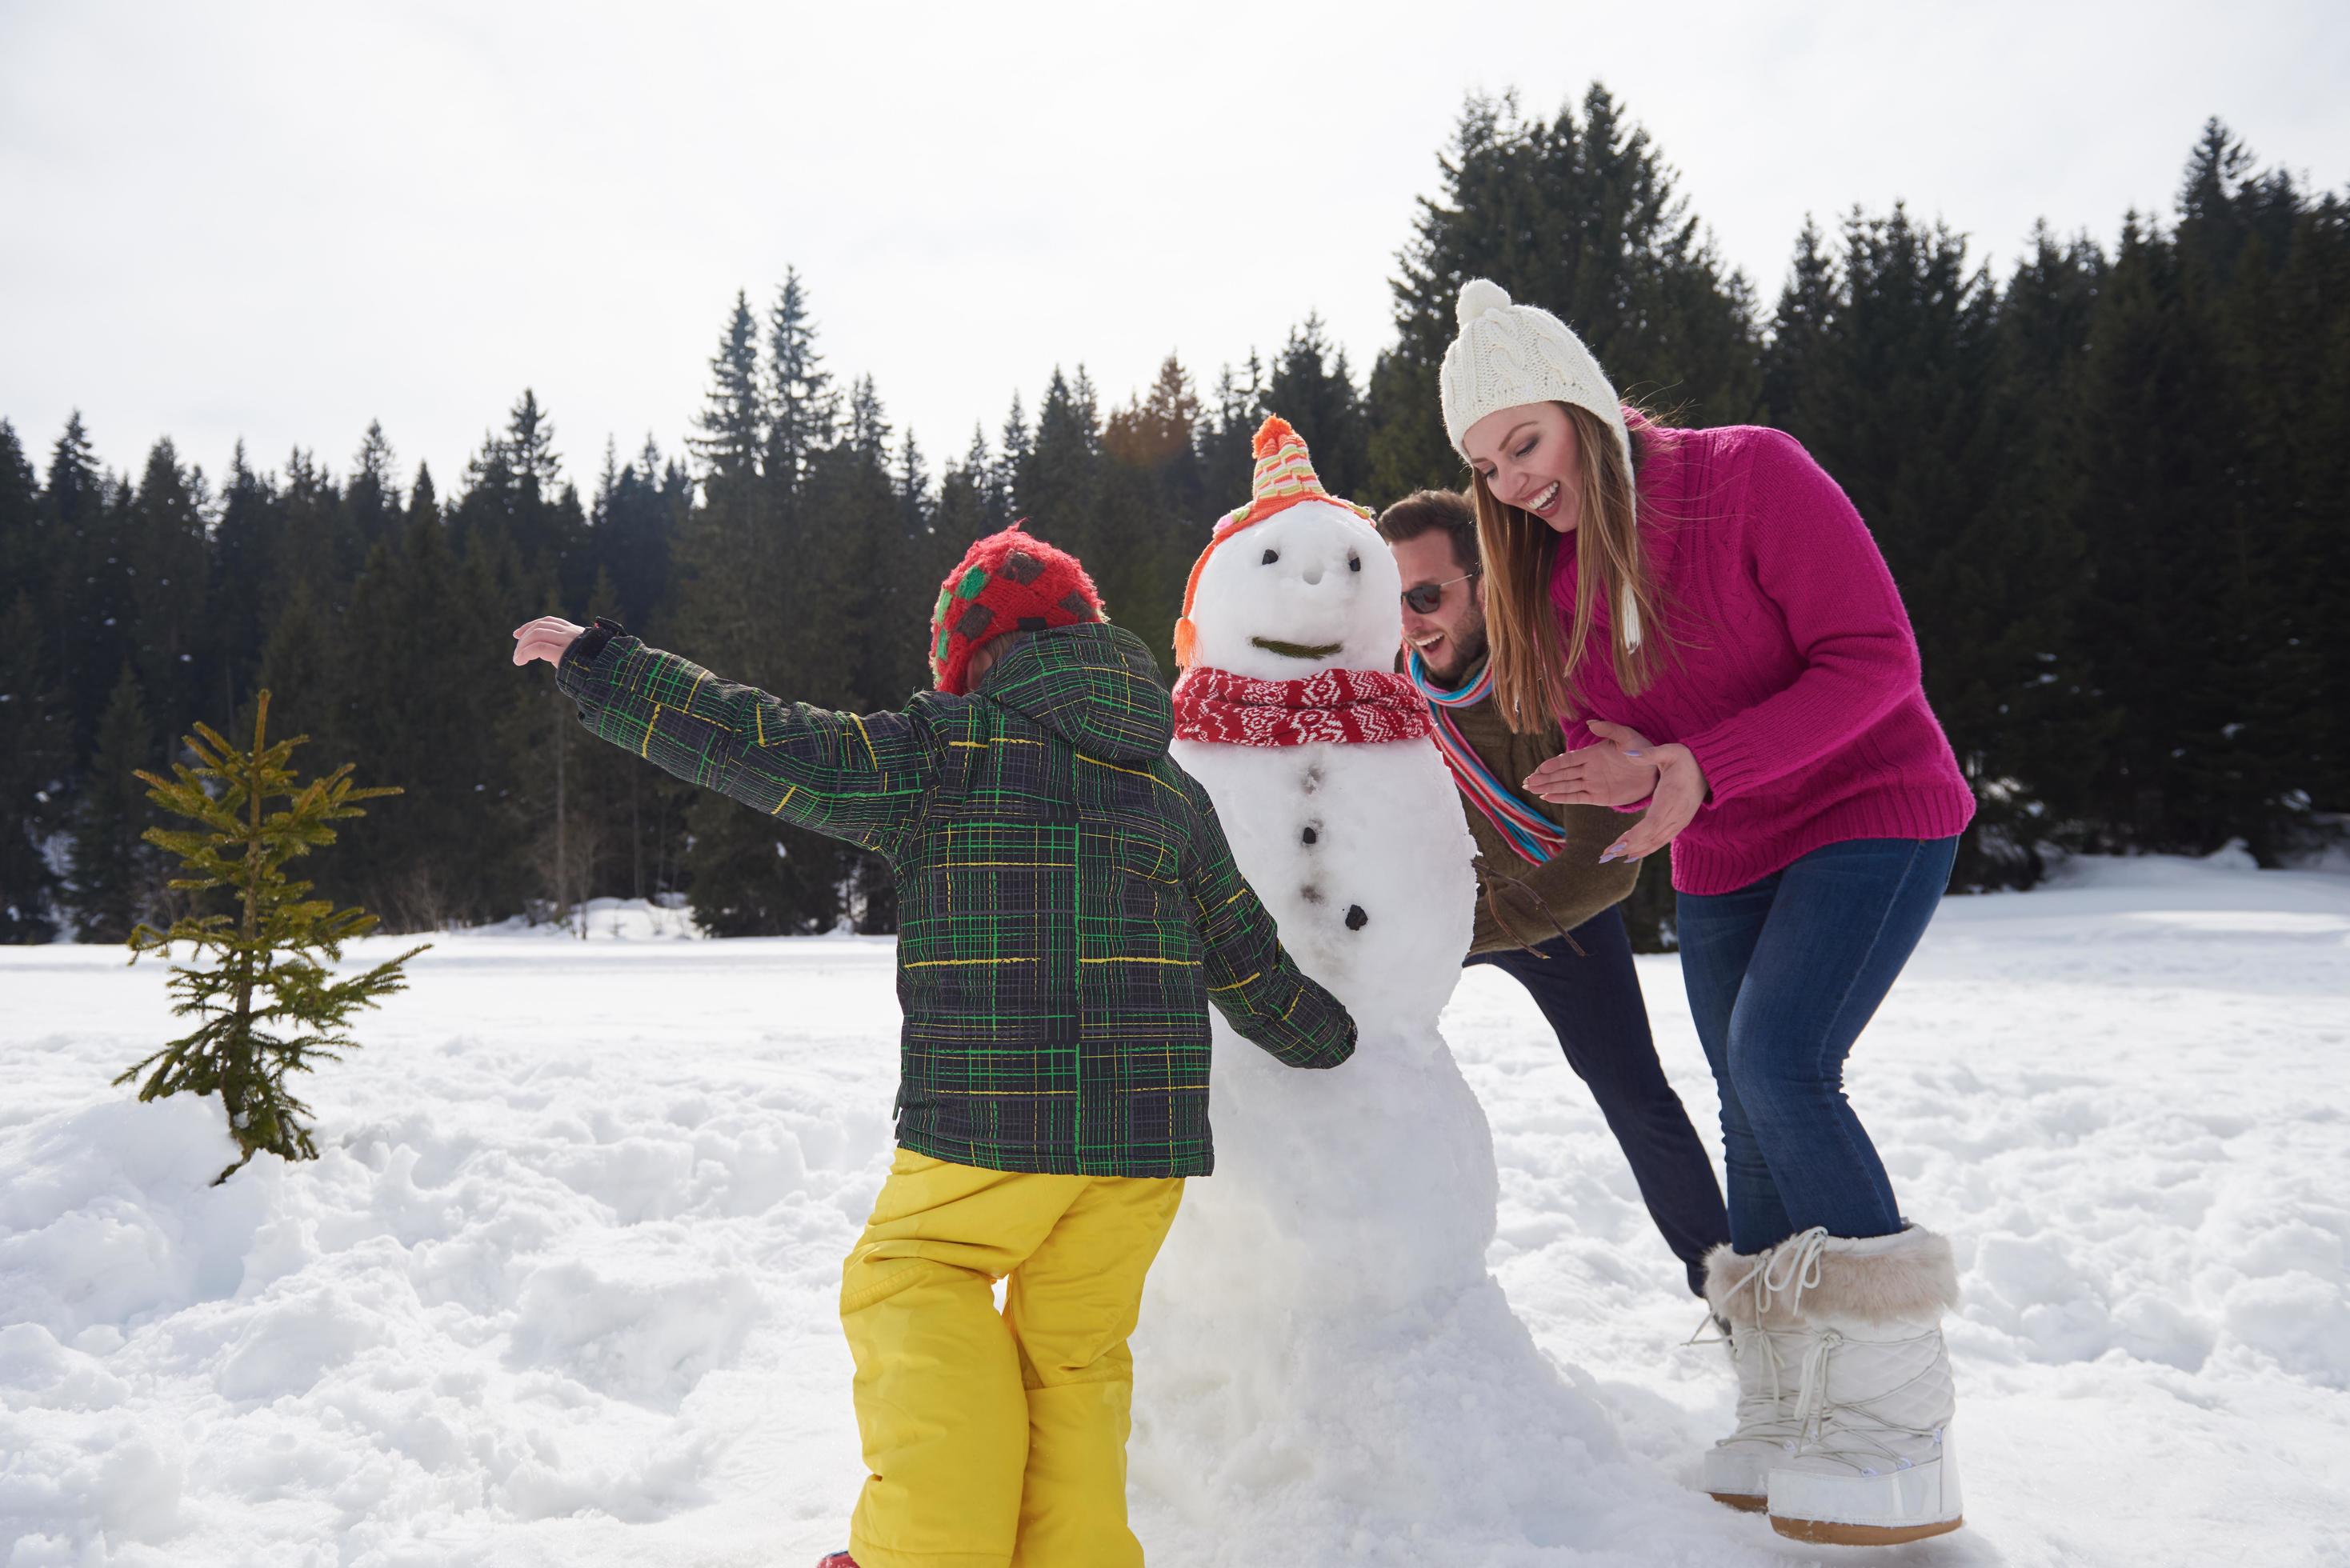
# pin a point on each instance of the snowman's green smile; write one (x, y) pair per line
(1298, 649)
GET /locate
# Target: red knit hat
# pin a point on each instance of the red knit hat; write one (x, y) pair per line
(1010, 581)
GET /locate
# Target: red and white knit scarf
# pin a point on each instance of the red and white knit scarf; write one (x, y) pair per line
(1341, 705)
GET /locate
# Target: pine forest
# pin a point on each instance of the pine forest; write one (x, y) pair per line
(2112, 481)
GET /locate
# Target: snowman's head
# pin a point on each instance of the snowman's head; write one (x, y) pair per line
(1311, 587)
(1294, 582)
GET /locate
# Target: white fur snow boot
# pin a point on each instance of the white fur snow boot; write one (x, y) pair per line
(1763, 1351)
(1872, 1465)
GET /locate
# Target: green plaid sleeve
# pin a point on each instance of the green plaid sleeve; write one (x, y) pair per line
(859, 777)
(1250, 977)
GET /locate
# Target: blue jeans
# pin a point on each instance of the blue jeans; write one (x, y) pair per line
(1783, 975)
(1593, 1003)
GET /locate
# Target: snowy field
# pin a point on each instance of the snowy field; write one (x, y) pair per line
(561, 1291)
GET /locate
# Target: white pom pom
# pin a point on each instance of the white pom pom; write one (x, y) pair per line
(1479, 294)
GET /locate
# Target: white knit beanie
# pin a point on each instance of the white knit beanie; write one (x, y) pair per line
(1508, 355)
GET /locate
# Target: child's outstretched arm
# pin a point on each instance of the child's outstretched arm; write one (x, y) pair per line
(1251, 979)
(858, 778)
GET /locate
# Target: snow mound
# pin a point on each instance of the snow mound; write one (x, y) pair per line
(608, 919)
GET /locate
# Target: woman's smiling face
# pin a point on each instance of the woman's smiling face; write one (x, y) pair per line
(1528, 458)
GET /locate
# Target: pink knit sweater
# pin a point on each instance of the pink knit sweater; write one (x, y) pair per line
(1794, 675)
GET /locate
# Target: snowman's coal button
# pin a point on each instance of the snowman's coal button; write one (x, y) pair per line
(1309, 835)
(1356, 918)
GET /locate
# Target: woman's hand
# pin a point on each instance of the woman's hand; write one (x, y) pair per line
(545, 638)
(1618, 770)
(1681, 790)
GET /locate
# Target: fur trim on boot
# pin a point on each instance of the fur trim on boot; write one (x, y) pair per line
(1880, 1279)
(1908, 1274)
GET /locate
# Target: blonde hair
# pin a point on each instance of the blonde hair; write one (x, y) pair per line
(1535, 682)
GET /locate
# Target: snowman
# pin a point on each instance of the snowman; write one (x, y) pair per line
(1323, 1350)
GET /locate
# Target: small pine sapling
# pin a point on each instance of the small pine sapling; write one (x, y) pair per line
(268, 1005)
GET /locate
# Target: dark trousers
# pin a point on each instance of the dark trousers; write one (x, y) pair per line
(1593, 1003)
(1783, 974)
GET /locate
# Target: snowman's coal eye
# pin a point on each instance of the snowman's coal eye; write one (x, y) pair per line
(1270, 557)
(1354, 563)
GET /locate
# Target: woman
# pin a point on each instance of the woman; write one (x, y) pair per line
(1707, 617)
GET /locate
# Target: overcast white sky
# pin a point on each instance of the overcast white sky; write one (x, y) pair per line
(281, 221)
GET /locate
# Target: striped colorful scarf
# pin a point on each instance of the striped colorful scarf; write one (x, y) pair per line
(1533, 835)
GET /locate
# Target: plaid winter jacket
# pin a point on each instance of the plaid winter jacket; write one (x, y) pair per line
(1067, 905)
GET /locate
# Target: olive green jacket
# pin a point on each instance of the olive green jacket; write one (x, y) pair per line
(1069, 909)
(1520, 904)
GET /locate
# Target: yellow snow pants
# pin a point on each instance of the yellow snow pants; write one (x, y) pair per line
(998, 1440)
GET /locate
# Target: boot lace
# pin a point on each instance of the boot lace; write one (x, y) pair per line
(1855, 1432)
(1787, 1270)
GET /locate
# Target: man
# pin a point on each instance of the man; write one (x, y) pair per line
(1547, 911)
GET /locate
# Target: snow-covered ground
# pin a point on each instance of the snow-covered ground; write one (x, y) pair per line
(561, 1291)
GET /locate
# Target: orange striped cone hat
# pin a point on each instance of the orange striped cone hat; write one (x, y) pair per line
(1285, 476)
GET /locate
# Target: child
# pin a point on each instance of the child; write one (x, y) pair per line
(1067, 907)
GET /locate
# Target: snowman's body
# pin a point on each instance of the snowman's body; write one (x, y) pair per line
(1322, 1309)
(1360, 852)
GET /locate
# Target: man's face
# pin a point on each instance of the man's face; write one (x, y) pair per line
(1450, 638)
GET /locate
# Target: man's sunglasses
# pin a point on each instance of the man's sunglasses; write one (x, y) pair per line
(1421, 599)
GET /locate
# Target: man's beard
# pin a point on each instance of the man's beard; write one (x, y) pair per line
(1464, 650)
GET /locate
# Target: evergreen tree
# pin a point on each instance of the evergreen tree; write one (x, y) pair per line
(639, 511)
(115, 881)
(1058, 482)
(169, 640)
(1005, 503)
(806, 408)
(317, 545)
(269, 1007)
(1312, 387)
(2159, 487)
(517, 502)
(1153, 505)
(1227, 439)
(725, 591)
(76, 488)
(964, 507)
(301, 657)
(87, 600)
(2018, 703)
(35, 755)
(840, 648)
(241, 584)
(2298, 381)
(732, 423)
(374, 489)
(446, 718)
(35, 748)
(423, 501)
(24, 565)
(758, 592)
(915, 560)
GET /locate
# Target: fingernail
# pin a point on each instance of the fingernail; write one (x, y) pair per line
(1611, 855)
(1636, 754)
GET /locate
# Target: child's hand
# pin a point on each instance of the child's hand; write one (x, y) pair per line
(545, 638)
